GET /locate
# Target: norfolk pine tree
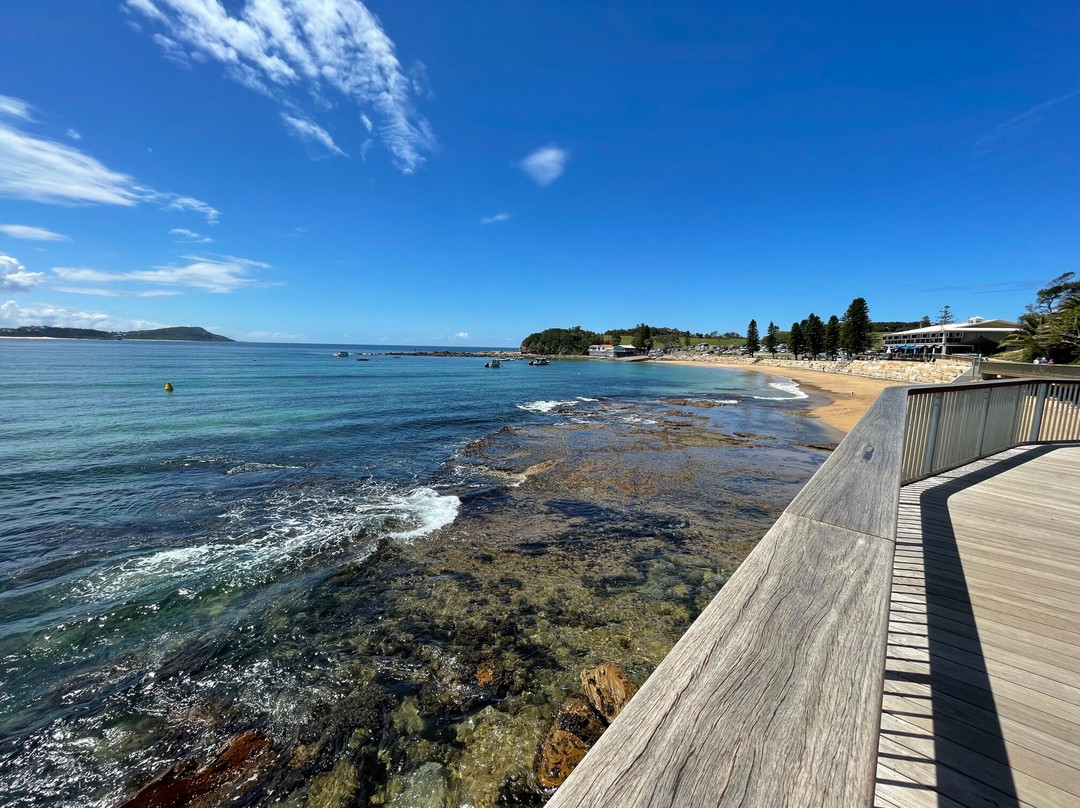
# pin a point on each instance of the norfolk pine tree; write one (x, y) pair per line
(753, 343)
(832, 336)
(796, 342)
(771, 341)
(855, 328)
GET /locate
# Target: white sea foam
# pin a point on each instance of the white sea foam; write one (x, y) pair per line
(428, 511)
(788, 386)
(546, 406)
(259, 541)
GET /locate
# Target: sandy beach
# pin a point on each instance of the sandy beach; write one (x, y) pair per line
(849, 396)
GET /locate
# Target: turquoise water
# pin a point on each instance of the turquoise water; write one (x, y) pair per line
(163, 554)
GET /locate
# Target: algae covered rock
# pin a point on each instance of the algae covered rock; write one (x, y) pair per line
(608, 689)
(560, 752)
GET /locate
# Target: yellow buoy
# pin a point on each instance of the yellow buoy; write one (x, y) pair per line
(168, 387)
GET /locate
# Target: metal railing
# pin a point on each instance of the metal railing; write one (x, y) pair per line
(948, 427)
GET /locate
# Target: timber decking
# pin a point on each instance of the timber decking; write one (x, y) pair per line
(982, 683)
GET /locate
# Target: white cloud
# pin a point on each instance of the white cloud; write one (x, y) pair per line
(498, 217)
(71, 133)
(14, 277)
(219, 276)
(366, 121)
(545, 165)
(54, 173)
(461, 335)
(12, 314)
(14, 108)
(278, 47)
(82, 290)
(312, 131)
(190, 235)
(29, 233)
(175, 202)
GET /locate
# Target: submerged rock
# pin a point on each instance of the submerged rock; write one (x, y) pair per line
(608, 689)
(236, 768)
(560, 752)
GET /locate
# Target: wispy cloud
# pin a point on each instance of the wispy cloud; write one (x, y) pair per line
(71, 133)
(1018, 123)
(82, 290)
(461, 335)
(311, 131)
(279, 47)
(498, 217)
(28, 233)
(15, 108)
(190, 235)
(55, 173)
(545, 165)
(14, 314)
(14, 277)
(217, 275)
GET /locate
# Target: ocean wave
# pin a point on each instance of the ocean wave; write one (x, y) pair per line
(548, 406)
(788, 386)
(260, 541)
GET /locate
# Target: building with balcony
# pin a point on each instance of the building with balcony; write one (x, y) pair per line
(974, 336)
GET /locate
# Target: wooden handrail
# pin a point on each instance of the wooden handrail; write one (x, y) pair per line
(773, 696)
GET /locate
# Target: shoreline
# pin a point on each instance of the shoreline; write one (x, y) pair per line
(849, 396)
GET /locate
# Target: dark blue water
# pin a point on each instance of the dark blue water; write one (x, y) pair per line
(139, 526)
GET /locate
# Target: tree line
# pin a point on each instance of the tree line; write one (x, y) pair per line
(852, 333)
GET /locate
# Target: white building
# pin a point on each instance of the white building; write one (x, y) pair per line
(975, 336)
(612, 351)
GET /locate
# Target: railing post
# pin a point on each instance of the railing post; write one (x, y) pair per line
(982, 421)
(931, 435)
(1036, 418)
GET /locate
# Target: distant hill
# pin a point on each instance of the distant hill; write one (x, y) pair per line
(184, 333)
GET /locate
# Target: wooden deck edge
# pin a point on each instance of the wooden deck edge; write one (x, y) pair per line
(773, 695)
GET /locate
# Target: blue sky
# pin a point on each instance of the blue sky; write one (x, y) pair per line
(467, 173)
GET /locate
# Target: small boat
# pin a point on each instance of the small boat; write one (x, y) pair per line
(494, 363)
(341, 354)
(539, 362)
(362, 359)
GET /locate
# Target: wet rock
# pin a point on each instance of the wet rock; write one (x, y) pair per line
(608, 689)
(336, 788)
(492, 676)
(578, 717)
(235, 769)
(560, 752)
(427, 787)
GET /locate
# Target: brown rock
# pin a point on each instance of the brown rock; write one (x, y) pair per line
(608, 689)
(578, 717)
(234, 769)
(559, 753)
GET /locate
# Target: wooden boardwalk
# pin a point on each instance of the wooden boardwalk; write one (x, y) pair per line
(982, 685)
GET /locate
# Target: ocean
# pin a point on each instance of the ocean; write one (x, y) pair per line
(306, 580)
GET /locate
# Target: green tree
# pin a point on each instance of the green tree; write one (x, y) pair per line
(945, 316)
(855, 329)
(815, 335)
(925, 321)
(642, 337)
(753, 342)
(1033, 337)
(797, 341)
(832, 336)
(770, 342)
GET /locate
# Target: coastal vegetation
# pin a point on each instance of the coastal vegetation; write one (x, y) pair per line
(1050, 327)
(185, 333)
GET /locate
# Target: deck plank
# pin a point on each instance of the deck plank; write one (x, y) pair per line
(982, 691)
